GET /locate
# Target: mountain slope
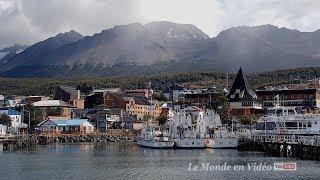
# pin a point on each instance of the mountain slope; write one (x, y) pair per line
(167, 47)
(9, 52)
(259, 49)
(33, 53)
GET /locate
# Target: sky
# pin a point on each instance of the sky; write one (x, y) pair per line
(30, 21)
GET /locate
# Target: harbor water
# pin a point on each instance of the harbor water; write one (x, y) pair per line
(128, 161)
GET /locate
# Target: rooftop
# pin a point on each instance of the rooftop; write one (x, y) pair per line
(50, 103)
(9, 111)
(66, 122)
(173, 88)
(69, 89)
(240, 90)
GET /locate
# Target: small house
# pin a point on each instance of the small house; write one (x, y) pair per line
(16, 119)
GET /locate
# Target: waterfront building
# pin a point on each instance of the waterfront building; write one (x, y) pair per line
(16, 120)
(202, 98)
(33, 99)
(55, 107)
(172, 92)
(135, 105)
(242, 100)
(75, 126)
(142, 107)
(304, 99)
(71, 95)
(119, 118)
(115, 100)
(137, 92)
(92, 100)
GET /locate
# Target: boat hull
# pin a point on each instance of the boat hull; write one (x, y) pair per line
(221, 143)
(189, 143)
(156, 144)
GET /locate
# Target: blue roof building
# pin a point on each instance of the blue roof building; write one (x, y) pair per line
(66, 126)
(9, 111)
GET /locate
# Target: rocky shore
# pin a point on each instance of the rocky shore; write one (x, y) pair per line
(84, 138)
(21, 142)
(29, 141)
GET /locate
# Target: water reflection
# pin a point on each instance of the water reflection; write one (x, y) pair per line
(128, 161)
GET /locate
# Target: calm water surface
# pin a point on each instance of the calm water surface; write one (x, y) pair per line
(127, 161)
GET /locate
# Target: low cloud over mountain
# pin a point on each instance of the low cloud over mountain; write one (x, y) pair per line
(167, 46)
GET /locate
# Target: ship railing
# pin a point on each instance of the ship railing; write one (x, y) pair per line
(292, 139)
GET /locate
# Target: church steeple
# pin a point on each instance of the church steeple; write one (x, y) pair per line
(239, 88)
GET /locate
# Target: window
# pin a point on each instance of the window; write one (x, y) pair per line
(291, 112)
(291, 125)
(279, 112)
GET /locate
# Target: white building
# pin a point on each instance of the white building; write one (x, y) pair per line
(16, 119)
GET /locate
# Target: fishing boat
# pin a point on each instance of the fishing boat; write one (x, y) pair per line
(191, 125)
(222, 139)
(189, 143)
(153, 137)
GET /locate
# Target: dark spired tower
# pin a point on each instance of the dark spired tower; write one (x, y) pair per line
(240, 90)
(242, 100)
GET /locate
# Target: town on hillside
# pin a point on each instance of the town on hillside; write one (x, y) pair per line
(71, 111)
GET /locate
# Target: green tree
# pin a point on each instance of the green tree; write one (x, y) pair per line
(36, 115)
(159, 96)
(247, 119)
(5, 120)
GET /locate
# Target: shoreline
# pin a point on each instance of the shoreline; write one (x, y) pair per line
(28, 141)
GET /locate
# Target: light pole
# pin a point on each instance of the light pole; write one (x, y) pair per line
(29, 123)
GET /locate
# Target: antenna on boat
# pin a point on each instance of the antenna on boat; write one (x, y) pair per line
(277, 100)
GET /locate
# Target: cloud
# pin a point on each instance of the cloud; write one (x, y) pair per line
(29, 21)
(213, 16)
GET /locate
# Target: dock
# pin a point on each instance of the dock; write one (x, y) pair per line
(296, 146)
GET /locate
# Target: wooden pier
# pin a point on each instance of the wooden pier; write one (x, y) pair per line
(303, 147)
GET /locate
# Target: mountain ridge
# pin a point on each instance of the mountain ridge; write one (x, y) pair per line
(158, 45)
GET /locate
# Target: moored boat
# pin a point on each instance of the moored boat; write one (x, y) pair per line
(155, 143)
(189, 143)
(152, 137)
(222, 142)
(287, 121)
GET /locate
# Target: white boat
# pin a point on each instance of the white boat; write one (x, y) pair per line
(152, 137)
(221, 141)
(155, 143)
(221, 138)
(189, 143)
(286, 120)
(192, 127)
